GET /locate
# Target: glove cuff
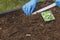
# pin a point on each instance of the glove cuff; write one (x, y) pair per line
(57, 2)
(35, 1)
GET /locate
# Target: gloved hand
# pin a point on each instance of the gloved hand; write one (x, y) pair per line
(57, 2)
(28, 8)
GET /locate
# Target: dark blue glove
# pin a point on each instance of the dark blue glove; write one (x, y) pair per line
(28, 8)
(57, 2)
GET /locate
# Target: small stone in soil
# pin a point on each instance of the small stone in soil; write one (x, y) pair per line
(28, 35)
(13, 17)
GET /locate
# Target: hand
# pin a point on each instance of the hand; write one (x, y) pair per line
(28, 8)
(57, 2)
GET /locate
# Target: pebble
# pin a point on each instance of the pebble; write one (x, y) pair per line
(13, 17)
(28, 35)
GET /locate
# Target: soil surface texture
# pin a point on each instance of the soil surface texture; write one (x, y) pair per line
(17, 26)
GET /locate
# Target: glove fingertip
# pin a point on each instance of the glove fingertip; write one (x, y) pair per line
(32, 9)
(57, 2)
(23, 8)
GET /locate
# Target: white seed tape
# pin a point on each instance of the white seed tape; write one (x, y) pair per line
(45, 8)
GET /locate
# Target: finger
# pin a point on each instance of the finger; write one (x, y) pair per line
(29, 9)
(32, 9)
(24, 9)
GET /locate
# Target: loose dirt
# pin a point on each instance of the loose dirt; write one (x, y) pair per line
(15, 25)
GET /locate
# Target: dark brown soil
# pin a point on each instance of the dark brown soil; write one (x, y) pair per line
(18, 26)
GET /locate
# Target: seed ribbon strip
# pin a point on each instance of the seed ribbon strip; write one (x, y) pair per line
(45, 8)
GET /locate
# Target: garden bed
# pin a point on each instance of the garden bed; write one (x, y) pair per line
(16, 25)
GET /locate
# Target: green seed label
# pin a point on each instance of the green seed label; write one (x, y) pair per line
(47, 16)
